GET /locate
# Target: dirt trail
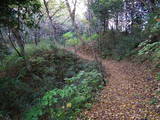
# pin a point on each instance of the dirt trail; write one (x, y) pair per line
(126, 96)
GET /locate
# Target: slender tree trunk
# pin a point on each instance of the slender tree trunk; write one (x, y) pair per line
(126, 12)
(117, 21)
(35, 38)
(21, 45)
(72, 16)
(51, 21)
(20, 42)
(107, 22)
(104, 25)
(13, 45)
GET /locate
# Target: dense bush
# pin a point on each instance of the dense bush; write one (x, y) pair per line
(152, 50)
(118, 44)
(71, 39)
(50, 67)
(14, 95)
(149, 51)
(64, 104)
(14, 59)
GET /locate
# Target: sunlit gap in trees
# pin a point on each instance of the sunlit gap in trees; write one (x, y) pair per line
(81, 6)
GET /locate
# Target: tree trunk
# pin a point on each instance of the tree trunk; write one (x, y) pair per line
(104, 25)
(20, 42)
(117, 21)
(72, 16)
(35, 38)
(13, 45)
(51, 22)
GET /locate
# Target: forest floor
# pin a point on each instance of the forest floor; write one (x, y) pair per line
(128, 94)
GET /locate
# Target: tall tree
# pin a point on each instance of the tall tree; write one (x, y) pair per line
(72, 14)
(50, 19)
(15, 14)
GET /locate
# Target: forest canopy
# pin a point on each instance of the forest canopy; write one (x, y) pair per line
(16, 12)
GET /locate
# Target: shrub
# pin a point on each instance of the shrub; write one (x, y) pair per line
(71, 39)
(158, 76)
(14, 60)
(64, 104)
(118, 45)
(23, 88)
(11, 61)
(150, 51)
(4, 50)
(14, 94)
(44, 45)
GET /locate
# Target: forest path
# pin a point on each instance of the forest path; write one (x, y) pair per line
(126, 96)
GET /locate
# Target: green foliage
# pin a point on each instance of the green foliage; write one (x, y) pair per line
(15, 9)
(118, 45)
(150, 50)
(94, 36)
(15, 93)
(37, 60)
(103, 8)
(90, 38)
(11, 61)
(14, 60)
(154, 101)
(153, 25)
(43, 45)
(158, 77)
(65, 104)
(71, 39)
(3, 51)
(68, 35)
(22, 89)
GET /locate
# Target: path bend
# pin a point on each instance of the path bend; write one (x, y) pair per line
(127, 95)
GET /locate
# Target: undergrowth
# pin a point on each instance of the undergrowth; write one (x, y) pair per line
(118, 45)
(31, 49)
(150, 51)
(67, 81)
(66, 103)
